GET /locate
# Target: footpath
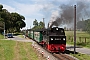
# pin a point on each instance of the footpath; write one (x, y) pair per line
(78, 49)
(71, 48)
(68, 47)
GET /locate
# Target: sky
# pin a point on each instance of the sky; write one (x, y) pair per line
(36, 9)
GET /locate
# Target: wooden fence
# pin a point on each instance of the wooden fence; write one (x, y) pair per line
(78, 39)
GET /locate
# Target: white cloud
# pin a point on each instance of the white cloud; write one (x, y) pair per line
(9, 8)
(33, 11)
(36, 10)
(28, 9)
(29, 22)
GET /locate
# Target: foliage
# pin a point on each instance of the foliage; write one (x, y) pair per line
(84, 25)
(12, 21)
(88, 25)
(37, 25)
(19, 21)
(41, 24)
(81, 25)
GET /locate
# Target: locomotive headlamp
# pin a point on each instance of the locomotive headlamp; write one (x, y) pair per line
(56, 28)
(51, 38)
(63, 38)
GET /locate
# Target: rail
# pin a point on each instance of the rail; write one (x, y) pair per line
(63, 56)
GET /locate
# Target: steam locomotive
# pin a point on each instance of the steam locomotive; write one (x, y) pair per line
(52, 39)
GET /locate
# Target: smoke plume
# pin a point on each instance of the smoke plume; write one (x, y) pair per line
(66, 13)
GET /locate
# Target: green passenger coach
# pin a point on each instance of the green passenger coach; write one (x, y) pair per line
(32, 34)
(29, 33)
(35, 35)
(38, 36)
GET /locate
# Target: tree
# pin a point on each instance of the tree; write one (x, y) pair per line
(6, 18)
(41, 25)
(64, 28)
(1, 19)
(37, 25)
(19, 19)
(84, 25)
(1, 6)
(87, 23)
(81, 25)
(13, 21)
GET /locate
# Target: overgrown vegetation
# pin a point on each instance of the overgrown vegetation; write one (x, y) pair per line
(14, 50)
(82, 38)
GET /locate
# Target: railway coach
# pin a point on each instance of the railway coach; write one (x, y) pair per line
(36, 35)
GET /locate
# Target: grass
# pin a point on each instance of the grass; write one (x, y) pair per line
(70, 40)
(21, 36)
(1, 36)
(14, 50)
(78, 33)
(18, 34)
(80, 38)
(81, 56)
(6, 50)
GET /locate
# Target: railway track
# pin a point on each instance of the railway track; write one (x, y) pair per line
(59, 56)
(63, 57)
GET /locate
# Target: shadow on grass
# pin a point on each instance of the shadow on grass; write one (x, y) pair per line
(81, 44)
(68, 47)
(71, 47)
(17, 34)
(67, 52)
(70, 52)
